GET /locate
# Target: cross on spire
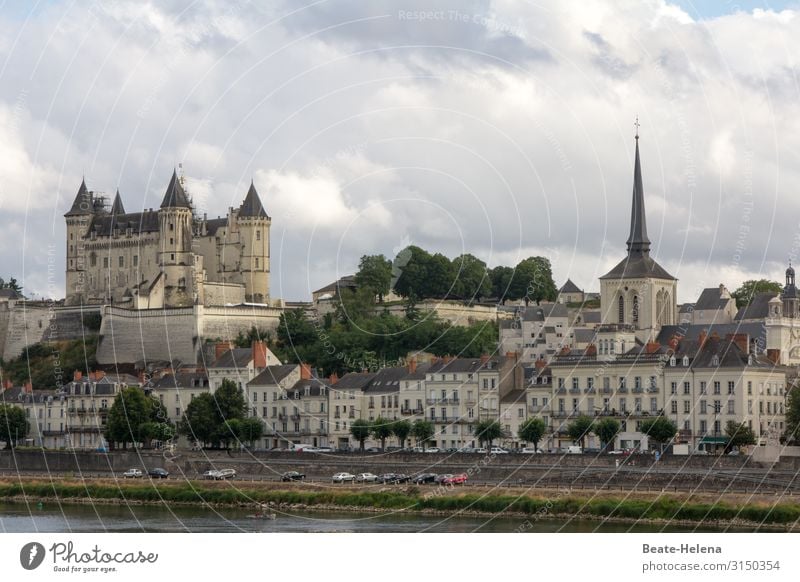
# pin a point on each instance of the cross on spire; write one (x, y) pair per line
(636, 125)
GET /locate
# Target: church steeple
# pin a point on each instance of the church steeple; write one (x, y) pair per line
(638, 243)
(117, 207)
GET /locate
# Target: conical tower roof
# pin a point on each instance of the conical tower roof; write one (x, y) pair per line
(637, 240)
(252, 207)
(175, 196)
(82, 206)
(117, 207)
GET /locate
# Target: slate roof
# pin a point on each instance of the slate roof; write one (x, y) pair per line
(175, 196)
(543, 311)
(273, 375)
(181, 380)
(117, 207)
(214, 224)
(457, 365)
(710, 300)
(314, 384)
(518, 396)
(756, 330)
(138, 222)
(387, 380)
(237, 358)
(354, 381)
(758, 308)
(346, 282)
(584, 336)
(638, 266)
(570, 287)
(9, 294)
(252, 207)
(591, 316)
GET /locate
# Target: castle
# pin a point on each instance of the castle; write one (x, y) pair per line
(168, 257)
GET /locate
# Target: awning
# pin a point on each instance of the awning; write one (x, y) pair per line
(707, 440)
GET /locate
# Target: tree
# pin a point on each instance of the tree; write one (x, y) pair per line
(250, 430)
(401, 429)
(793, 416)
(132, 416)
(533, 281)
(209, 417)
(488, 431)
(739, 435)
(375, 273)
(749, 289)
(245, 340)
(659, 429)
(410, 272)
(360, 429)
(422, 431)
(382, 430)
(501, 277)
(440, 276)
(606, 430)
(532, 431)
(13, 424)
(230, 401)
(472, 281)
(580, 428)
(199, 422)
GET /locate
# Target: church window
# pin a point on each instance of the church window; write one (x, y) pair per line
(121, 261)
(621, 309)
(635, 309)
(172, 257)
(172, 226)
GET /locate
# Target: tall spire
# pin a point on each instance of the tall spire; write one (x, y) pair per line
(638, 243)
(251, 206)
(117, 207)
(175, 197)
(83, 203)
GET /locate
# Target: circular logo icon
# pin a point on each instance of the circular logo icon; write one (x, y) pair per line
(31, 555)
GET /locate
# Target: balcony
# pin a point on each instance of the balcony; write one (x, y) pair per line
(622, 390)
(409, 411)
(337, 415)
(561, 390)
(653, 389)
(538, 408)
(442, 401)
(565, 414)
(605, 390)
(574, 390)
(295, 417)
(638, 390)
(589, 390)
(351, 415)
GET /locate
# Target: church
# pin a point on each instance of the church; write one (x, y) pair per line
(167, 257)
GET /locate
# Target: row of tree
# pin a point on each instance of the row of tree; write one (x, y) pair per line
(417, 274)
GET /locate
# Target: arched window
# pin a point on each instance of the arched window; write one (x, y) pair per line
(668, 311)
(660, 308)
(621, 309)
(635, 309)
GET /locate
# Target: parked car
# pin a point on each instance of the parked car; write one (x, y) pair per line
(459, 479)
(343, 478)
(225, 474)
(530, 451)
(393, 449)
(366, 478)
(480, 450)
(616, 452)
(132, 474)
(574, 450)
(432, 450)
(210, 474)
(424, 478)
(498, 451)
(293, 476)
(372, 450)
(442, 478)
(326, 450)
(158, 473)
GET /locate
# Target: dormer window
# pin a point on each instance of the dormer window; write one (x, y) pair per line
(685, 360)
(296, 395)
(672, 361)
(715, 360)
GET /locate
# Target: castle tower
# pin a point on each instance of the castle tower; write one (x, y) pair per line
(254, 225)
(789, 295)
(78, 220)
(638, 293)
(175, 256)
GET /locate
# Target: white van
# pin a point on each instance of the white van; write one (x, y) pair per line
(574, 450)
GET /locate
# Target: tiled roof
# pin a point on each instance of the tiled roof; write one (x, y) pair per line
(273, 375)
(236, 358)
(570, 287)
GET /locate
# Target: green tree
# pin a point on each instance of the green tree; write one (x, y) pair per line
(580, 428)
(749, 289)
(250, 430)
(13, 424)
(472, 282)
(360, 429)
(739, 435)
(422, 431)
(245, 340)
(533, 281)
(208, 417)
(199, 422)
(488, 431)
(659, 429)
(131, 416)
(532, 431)
(440, 277)
(793, 416)
(410, 272)
(606, 430)
(375, 273)
(501, 278)
(382, 430)
(230, 401)
(401, 429)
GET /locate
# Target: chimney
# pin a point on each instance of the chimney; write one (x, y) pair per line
(99, 375)
(412, 366)
(220, 348)
(28, 387)
(673, 343)
(7, 383)
(77, 375)
(540, 364)
(742, 341)
(774, 356)
(305, 371)
(714, 335)
(447, 359)
(141, 377)
(484, 358)
(333, 379)
(565, 351)
(652, 347)
(702, 338)
(591, 350)
(259, 354)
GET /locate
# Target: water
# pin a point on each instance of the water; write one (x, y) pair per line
(52, 518)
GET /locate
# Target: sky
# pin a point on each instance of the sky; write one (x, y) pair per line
(503, 129)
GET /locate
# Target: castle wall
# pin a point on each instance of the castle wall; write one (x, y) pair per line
(223, 293)
(226, 322)
(456, 313)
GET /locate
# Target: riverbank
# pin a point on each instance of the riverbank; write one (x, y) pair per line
(528, 505)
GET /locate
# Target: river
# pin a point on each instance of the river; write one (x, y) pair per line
(52, 518)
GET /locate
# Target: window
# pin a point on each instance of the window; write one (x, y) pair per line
(674, 407)
(520, 414)
(653, 404)
(653, 383)
(715, 360)
(703, 407)
(749, 407)
(560, 383)
(574, 383)
(622, 383)
(673, 387)
(121, 261)
(620, 310)
(637, 382)
(687, 387)
(703, 427)
(590, 382)
(731, 407)
(258, 235)
(717, 407)
(637, 404)
(623, 405)
(607, 383)
(635, 309)
(716, 387)
(702, 387)
(172, 226)
(256, 262)
(687, 406)
(135, 260)
(93, 260)
(105, 262)
(731, 386)
(749, 388)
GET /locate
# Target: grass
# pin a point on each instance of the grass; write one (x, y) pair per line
(414, 499)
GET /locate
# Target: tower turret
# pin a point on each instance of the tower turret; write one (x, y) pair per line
(254, 224)
(789, 295)
(175, 253)
(78, 220)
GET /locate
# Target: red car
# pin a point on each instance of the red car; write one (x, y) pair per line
(459, 479)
